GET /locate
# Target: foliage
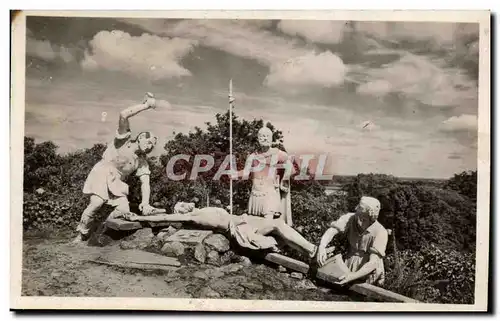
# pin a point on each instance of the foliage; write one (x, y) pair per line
(465, 183)
(433, 275)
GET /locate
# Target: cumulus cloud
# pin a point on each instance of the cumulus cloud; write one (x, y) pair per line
(419, 78)
(45, 50)
(462, 123)
(321, 31)
(287, 59)
(324, 69)
(148, 55)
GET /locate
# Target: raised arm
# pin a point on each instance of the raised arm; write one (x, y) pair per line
(123, 123)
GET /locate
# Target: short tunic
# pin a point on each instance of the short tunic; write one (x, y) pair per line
(362, 244)
(107, 177)
(265, 197)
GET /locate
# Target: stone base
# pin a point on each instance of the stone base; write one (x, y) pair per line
(189, 237)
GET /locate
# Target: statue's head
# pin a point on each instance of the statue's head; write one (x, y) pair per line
(265, 137)
(146, 142)
(367, 211)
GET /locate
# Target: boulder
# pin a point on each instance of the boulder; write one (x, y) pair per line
(281, 269)
(173, 249)
(217, 242)
(140, 239)
(297, 275)
(200, 254)
(213, 258)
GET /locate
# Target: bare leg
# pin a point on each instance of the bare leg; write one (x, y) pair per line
(289, 235)
(87, 217)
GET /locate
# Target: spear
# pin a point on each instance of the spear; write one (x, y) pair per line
(231, 100)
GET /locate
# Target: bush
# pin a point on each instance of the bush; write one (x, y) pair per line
(433, 275)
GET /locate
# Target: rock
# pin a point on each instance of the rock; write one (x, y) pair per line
(252, 286)
(207, 292)
(217, 242)
(127, 245)
(200, 275)
(297, 275)
(305, 284)
(141, 238)
(214, 273)
(213, 258)
(156, 243)
(200, 254)
(189, 236)
(173, 249)
(245, 261)
(40, 191)
(166, 232)
(299, 229)
(281, 269)
(227, 257)
(231, 268)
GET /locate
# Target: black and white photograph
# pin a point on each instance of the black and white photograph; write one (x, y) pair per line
(250, 161)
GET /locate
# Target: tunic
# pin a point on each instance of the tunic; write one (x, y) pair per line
(107, 177)
(265, 197)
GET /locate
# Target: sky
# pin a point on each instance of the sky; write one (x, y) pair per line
(397, 98)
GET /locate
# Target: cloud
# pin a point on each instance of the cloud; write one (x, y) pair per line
(419, 78)
(324, 69)
(462, 123)
(443, 33)
(321, 31)
(145, 55)
(290, 63)
(45, 50)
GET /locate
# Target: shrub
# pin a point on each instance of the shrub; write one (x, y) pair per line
(433, 275)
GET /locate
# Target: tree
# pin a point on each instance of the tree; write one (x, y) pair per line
(465, 183)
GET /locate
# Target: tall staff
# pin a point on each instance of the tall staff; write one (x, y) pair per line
(231, 100)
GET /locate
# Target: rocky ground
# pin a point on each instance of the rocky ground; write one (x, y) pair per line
(210, 269)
